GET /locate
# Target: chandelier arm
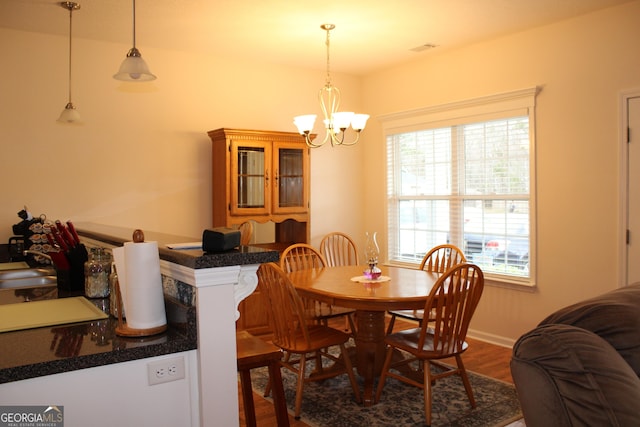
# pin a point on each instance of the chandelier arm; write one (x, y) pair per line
(312, 144)
(309, 142)
(352, 142)
(329, 96)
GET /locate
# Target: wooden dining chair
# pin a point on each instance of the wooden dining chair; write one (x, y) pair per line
(299, 336)
(246, 232)
(302, 256)
(339, 249)
(453, 299)
(438, 260)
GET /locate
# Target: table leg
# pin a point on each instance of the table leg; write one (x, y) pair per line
(370, 349)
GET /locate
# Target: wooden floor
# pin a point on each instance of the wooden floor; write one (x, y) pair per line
(481, 357)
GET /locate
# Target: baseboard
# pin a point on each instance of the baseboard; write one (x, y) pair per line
(491, 338)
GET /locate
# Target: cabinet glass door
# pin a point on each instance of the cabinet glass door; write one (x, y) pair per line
(290, 193)
(251, 173)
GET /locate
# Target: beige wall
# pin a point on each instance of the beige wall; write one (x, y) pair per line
(582, 66)
(142, 157)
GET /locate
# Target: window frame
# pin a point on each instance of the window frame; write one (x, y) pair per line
(483, 109)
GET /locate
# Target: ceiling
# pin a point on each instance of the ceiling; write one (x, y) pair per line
(369, 34)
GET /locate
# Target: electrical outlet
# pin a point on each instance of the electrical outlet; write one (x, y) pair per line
(166, 370)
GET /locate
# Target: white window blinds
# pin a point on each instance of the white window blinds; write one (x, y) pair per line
(463, 174)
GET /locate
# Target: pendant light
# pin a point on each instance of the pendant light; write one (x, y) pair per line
(336, 122)
(69, 114)
(133, 68)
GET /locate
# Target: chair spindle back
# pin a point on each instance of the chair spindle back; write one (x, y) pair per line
(453, 300)
(301, 256)
(339, 249)
(288, 318)
(441, 258)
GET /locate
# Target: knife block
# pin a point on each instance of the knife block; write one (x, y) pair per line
(73, 279)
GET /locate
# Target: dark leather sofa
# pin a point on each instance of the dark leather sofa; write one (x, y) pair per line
(581, 365)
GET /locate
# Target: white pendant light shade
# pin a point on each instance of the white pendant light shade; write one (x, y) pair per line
(70, 115)
(341, 120)
(359, 121)
(304, 123)
(134, 68)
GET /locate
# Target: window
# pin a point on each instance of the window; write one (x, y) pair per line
(464, 174)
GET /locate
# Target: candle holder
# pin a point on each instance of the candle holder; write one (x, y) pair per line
(372, 252)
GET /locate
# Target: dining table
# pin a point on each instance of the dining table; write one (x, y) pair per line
(397, 288)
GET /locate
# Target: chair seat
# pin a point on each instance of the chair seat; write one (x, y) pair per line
(253, 352)
(408, 314)
(326, 311)
(320, 336)
(408, 341)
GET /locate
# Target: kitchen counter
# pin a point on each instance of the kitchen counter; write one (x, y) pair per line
(207, 286)
(56, 349)
(50, 350)
(191, 258)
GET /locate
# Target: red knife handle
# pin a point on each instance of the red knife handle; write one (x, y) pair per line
(60, 241)
(74, 233)
(50, 239)
(66, 236)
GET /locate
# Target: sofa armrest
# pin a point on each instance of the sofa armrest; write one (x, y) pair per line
(568, 376)
(614, 316)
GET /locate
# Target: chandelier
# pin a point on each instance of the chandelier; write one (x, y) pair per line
(335, 122)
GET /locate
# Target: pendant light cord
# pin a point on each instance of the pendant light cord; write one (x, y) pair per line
(328, 83)
(70, 32)
(134, 24)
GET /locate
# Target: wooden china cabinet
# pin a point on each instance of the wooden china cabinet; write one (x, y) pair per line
(261, 176)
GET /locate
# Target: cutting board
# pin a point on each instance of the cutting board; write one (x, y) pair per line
(13, 265)
(36, 314)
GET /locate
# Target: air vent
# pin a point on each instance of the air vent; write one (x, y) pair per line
(423, 47)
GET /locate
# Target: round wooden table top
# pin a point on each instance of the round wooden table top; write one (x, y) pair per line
(398, 288)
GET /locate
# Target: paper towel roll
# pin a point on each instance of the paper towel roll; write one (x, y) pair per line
(141, 284)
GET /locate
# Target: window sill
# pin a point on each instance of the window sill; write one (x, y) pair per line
(499, 281)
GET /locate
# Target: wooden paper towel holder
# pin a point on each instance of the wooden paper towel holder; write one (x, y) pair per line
(123, 329)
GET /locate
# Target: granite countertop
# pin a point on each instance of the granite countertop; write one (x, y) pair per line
(192, 258)
(51, 350)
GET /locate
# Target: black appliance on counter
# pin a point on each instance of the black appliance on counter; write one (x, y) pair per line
(15, 248)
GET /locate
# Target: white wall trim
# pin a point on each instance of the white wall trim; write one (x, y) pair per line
(623, 120)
